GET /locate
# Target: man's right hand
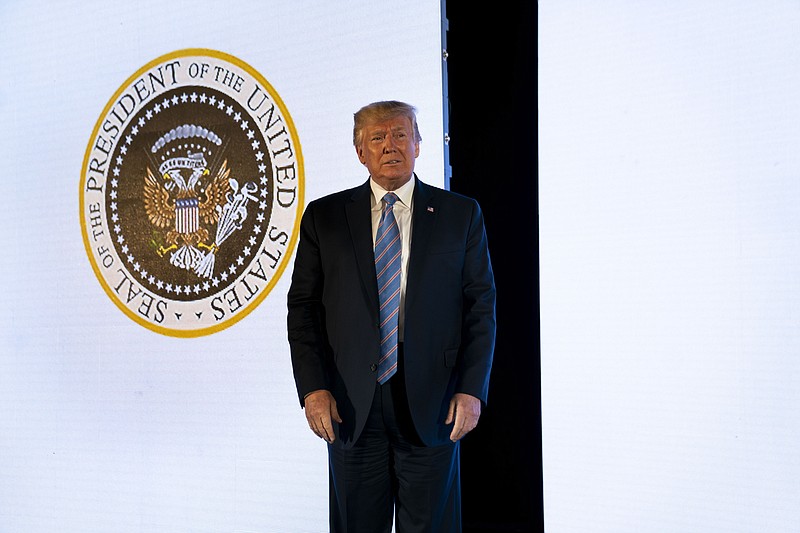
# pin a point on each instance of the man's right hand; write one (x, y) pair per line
(320, 407)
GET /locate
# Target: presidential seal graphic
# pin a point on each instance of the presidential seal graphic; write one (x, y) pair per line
(191, 193)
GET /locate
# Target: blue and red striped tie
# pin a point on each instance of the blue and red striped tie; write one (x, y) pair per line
(387, 267)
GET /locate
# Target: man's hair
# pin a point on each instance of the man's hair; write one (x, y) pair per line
(380, 111)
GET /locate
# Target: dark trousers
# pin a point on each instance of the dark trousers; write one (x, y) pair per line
(388, 470)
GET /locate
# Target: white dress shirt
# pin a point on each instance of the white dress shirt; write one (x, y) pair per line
(402, 214)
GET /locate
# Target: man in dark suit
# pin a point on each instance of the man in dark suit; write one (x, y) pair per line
(391, 326)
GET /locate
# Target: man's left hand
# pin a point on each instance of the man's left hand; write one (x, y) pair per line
(465, 410)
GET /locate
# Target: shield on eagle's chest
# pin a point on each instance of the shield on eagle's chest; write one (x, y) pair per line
(187, 215)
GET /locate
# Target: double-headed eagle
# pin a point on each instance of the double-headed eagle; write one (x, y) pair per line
(184, 202)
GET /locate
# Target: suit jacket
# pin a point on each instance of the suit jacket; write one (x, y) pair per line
(449, 307)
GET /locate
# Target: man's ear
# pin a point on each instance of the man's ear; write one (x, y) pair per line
(360, 154)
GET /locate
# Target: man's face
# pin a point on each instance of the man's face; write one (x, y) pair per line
(389, 149)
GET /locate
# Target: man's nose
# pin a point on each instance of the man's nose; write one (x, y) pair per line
(388, 144)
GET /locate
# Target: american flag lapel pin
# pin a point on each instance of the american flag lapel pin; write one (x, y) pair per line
(430, 209)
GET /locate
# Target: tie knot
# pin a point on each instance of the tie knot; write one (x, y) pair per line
(390, 198)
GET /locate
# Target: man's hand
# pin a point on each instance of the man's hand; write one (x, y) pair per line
(321, 410)
(465, 410)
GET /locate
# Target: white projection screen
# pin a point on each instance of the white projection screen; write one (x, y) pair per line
(669, 181)
(131, 399)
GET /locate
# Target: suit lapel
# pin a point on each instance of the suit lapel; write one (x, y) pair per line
(423, 222)
(359, 220)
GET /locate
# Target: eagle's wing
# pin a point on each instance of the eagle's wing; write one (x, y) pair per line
(160, 211)
(215, 194)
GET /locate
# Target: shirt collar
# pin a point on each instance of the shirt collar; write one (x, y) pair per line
(405, 193)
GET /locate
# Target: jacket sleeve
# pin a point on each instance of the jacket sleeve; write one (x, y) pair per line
(311, 359)
(479, 322)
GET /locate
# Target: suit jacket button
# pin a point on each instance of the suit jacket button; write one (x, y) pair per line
(373, 367)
